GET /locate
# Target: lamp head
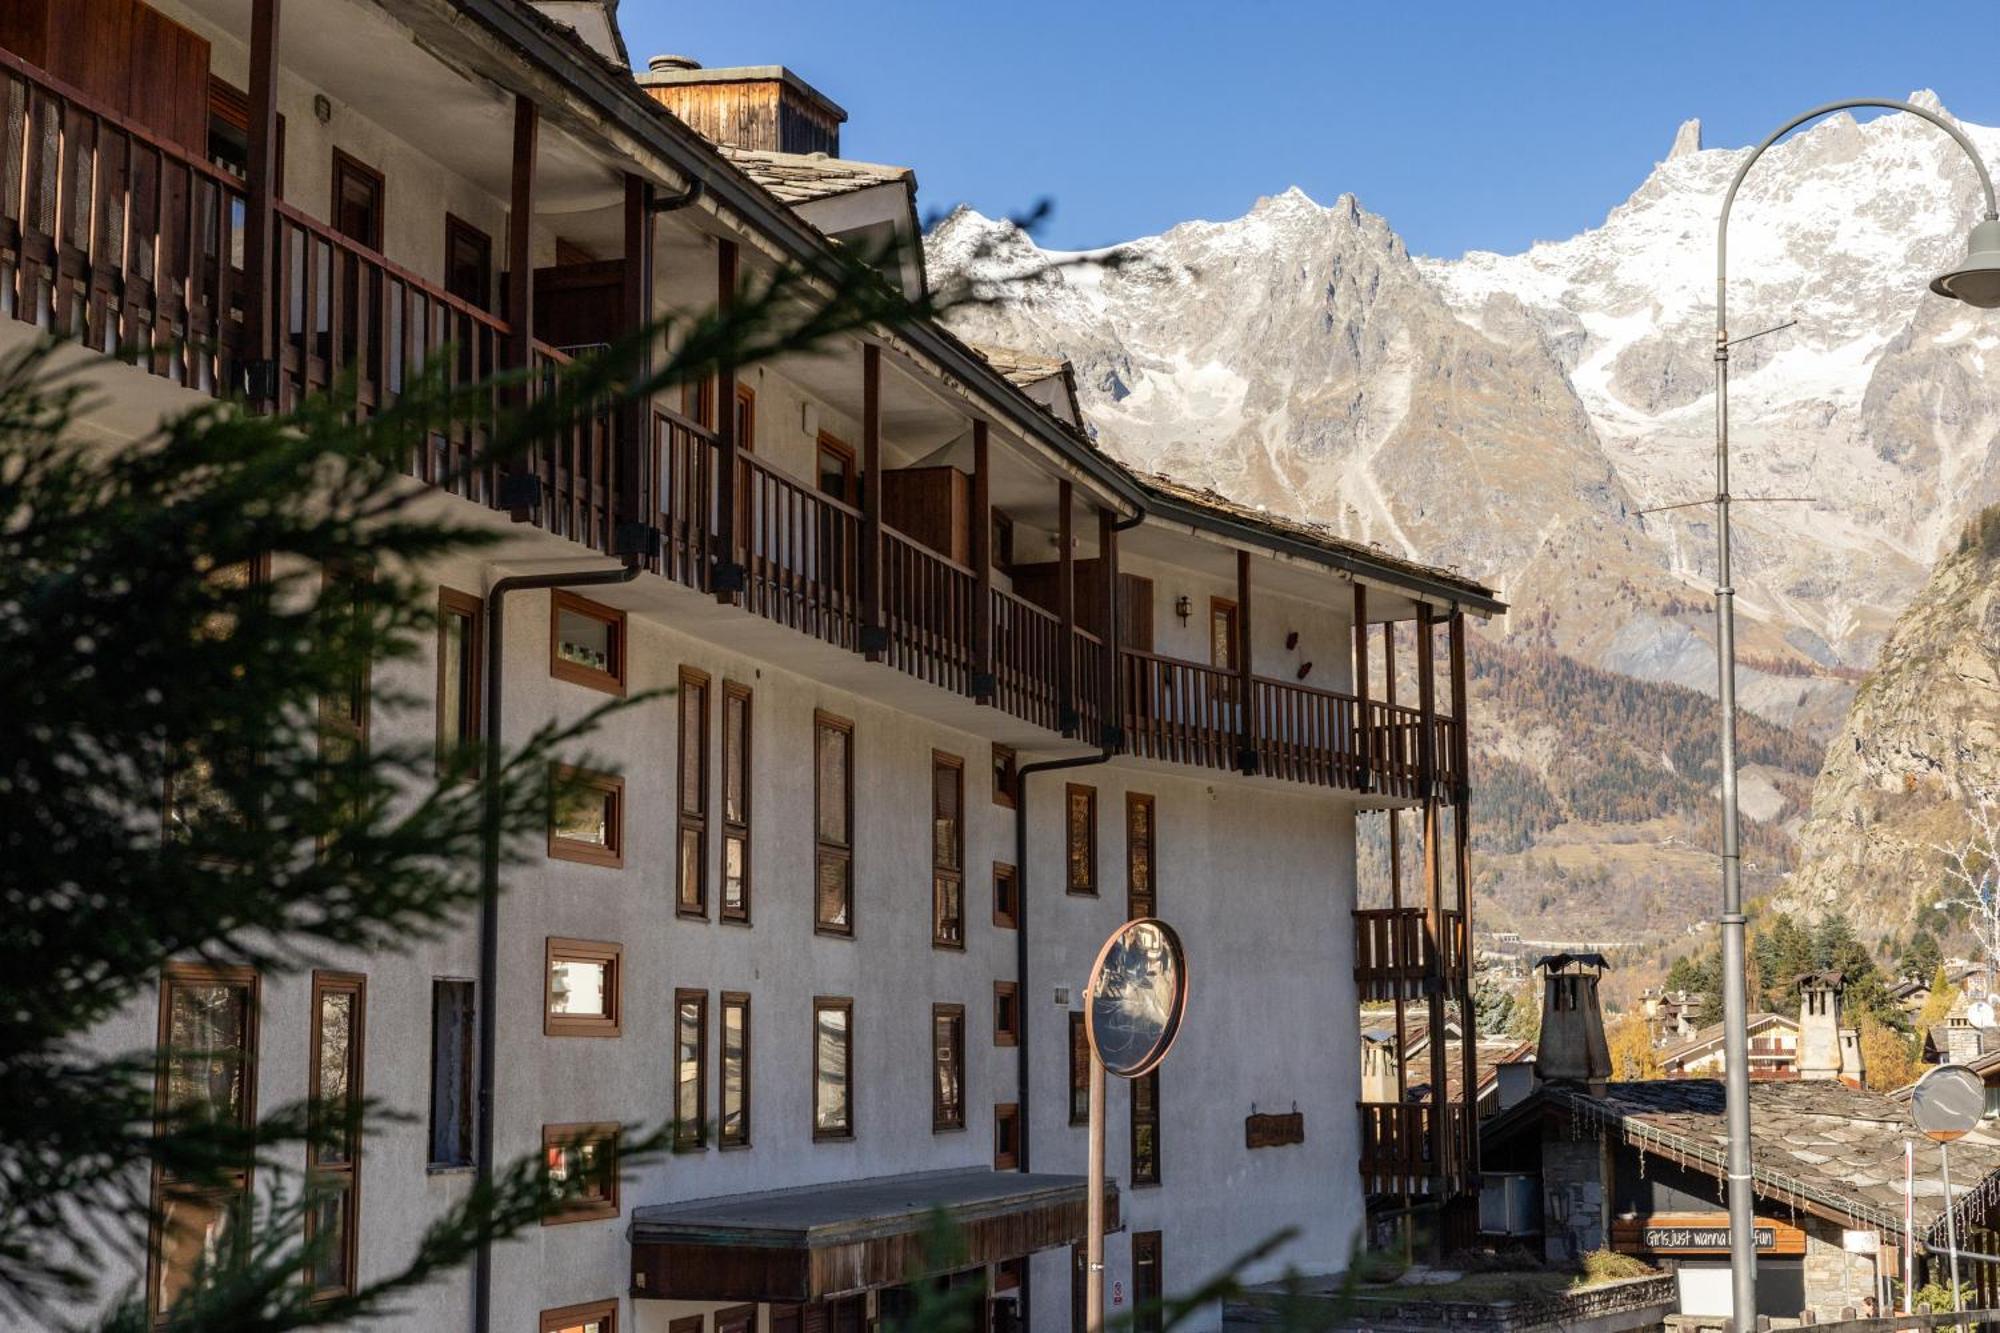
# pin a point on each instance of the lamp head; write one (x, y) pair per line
(1976, 279)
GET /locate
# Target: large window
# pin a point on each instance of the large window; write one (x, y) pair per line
(587, 821)
(690, 1069)
(1080, 838)
(1079, 1070)
(1140, 899)
(833, 1066)
(692, 861)
(735, 802)
(1145, 1128)
(947, 851)
(581, 989)
(733, 1125)
(460, 678)
(207, 1071)
(583, 1171)
(333, 1152)
(453, 1016)
(833, 824)
(947, 1066)
(594, 1317)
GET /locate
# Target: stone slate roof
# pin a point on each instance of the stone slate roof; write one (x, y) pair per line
(1021, 368)
(1816, 1144)
(802, 178)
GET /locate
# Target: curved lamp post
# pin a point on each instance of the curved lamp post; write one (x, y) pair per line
(1975, 281)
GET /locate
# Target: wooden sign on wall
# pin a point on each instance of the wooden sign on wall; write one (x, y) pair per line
(1698, 1233)
(1274, 1131)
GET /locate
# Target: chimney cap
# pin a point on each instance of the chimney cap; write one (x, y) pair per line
(666, 62)
(1831, 979)
(1560, 962)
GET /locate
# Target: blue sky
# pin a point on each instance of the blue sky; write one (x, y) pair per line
(1469, 126)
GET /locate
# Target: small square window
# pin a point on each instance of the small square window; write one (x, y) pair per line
(580, 993)
(1006, 1136)
(583, 1170)
(586, 642)
(1006, 897)
(1005, 767)
(586, 817)
(1006, 1013)
(594, 1317)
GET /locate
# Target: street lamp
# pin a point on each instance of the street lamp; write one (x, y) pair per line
(1976, 281)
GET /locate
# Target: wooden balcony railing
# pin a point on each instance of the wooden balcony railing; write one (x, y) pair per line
(1398, 1152)
(1180, 712)
(685, 465)
(1305, 735)
(113, 237)
(927, 603)
(1394, 953)
(1026, 646)
(1087, 671)
(802, 554)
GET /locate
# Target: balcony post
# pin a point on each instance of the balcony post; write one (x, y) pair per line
(1109, 717)
(1246, 726)
(520, 235)
(874, 636)
(1436, 983)
(633, 472)
(1363, 726)
(1398, 931)
(1065, 611)
(726, 577)
(983, 683)
(1461, 837)
(259, 377)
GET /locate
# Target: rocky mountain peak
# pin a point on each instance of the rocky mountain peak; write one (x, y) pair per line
(1687, 139)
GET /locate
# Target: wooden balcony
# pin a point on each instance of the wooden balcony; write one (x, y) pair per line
(1402, 1150)
(1395, 954)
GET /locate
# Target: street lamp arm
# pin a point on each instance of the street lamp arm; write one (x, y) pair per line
(1886, 104)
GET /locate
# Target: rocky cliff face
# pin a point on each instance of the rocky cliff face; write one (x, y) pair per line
(1919, 747)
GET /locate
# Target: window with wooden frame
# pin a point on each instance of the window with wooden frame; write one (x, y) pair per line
(360, 204)
(698, 403)
(591, 1317)
(454, 1013)
(207, 1071)
(1006, 896)
(833, 1067)
(1003, 543)
(586, 642)
(833, 824)
(1145, 1128)
(1079, 1070)
(688, 1323)
(333, 1149)
(947, 851)
(1224, 643)
(461, 675)
(1080, 839)
(1140, 900)
(1079, 1288)
(586, 816)
(582, 991)
(690, 1070)
(691, 858)
(732, 1129)
(200, 775)
(947, 1067)
(346, 613)
(736, 769)
(1007, 1274)
(835, 465)
(583, 1171)
(1149, 1286)
(1006, 1136)
(746, 441)
(736, 1319)
(468, 262)
(1005, 765)
(1006, 1013)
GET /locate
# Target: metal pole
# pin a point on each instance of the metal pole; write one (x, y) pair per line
(1735, 1040)
(1951, 1230)
(1093, 1248)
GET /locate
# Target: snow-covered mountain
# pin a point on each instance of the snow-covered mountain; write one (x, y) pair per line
(1511, 414)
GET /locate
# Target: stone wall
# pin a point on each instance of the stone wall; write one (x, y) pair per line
(1576, 1192)
(1835, 1279)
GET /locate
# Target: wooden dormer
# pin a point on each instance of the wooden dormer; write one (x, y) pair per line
(763, 108)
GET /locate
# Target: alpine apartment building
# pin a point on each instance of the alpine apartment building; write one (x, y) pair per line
(826, 908)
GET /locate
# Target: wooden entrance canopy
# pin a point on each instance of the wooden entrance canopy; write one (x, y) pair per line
(797, 1245)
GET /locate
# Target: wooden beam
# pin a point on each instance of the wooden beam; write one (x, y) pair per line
(1461, 836)
(983, 684)
(1398, 934)
(1065, 610)
(633, 473)
(260, 306)
(727, 578)
(874, 637)
(1246, 731)
(1363, 724)
(521, 234)
(1433, 907)
(1108, 715)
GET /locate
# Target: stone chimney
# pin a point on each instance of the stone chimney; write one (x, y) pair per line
(1853, 1071)
(1378, 1067)
(1572, 1049)
(1819, 1025)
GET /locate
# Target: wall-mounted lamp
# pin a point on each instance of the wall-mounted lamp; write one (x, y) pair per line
(1305, 669)
(322, 108)
(1184, 607)
(1291, 641)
